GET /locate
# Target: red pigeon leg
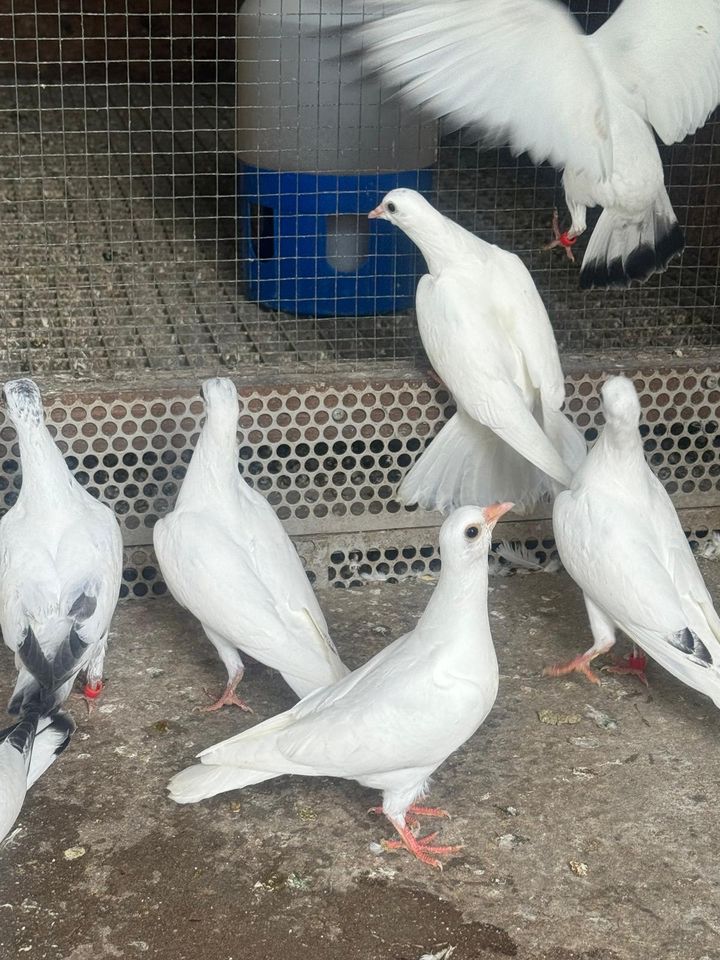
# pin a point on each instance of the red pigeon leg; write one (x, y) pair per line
(90, 694)
(634, 663)
(561, 239)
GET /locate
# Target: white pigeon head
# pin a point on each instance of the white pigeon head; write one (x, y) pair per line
(466, 534)
(222, 407)
(24, 403)
(620, 402)
(407, 209)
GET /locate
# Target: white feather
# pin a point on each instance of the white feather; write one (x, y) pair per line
(519, 556)
(390, 723)
(227, 559)
(488, 336)
(504, 66)
(620, 539)
(522, 72)
(22, 764)
(666, 56)
(56, 543)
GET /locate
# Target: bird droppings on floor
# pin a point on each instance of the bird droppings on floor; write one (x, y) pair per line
(581, 841)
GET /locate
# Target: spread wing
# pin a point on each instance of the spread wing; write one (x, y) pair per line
(666, 55)
(517, 71)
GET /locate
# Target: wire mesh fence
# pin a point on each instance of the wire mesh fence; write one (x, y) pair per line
(122, 249)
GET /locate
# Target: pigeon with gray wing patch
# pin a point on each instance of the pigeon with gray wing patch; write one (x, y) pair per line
(620, 539)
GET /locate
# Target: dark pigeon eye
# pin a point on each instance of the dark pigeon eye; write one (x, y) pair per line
(391, 207)
(471, 532)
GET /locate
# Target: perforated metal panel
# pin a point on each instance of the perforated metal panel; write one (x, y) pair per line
(329, 457)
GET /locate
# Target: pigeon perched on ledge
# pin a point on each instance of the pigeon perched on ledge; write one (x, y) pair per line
(522, 72)
(227, 559)
(60, 559)
(620, 539)
(488, 336)
(393, 721)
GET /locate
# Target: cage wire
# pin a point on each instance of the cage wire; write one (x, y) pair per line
(120, 252)
(125, 259)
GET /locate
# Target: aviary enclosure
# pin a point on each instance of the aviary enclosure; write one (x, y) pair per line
(152, 235)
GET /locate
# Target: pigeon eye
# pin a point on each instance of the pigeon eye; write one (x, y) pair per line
(391, 207)
(471, 532)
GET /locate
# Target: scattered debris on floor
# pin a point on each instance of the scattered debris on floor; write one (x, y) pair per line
(558, 820)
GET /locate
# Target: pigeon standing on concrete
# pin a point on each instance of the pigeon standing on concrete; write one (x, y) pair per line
(227, 559)
(522, 72)
(392, 722)
(60, 559)
(488, 336)
(620, 539)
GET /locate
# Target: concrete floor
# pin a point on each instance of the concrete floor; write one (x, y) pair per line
(104, 865)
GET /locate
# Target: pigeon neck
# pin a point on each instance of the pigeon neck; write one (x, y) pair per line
(623, 439)
(45, 474)
(462, 589)
(215, 461)
(433, 242)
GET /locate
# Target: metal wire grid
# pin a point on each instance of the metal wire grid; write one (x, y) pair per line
(117, 196)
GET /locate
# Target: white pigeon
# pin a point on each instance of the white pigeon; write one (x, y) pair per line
(32, 743)
(60, 558)
(488, 336)
(393, 721)
(27, 749)
(227, 559)
(620, 539)
(522, 72)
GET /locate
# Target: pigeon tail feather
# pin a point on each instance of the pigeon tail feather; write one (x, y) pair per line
(50, 741)
(467, 463)
(204, 780)
(623, 249)
(27, 748)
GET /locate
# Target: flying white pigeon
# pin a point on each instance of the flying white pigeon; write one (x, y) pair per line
(522, 72)
(60, 558)
(393, 721)
(621, 541)
(488, 336)
(227, 559)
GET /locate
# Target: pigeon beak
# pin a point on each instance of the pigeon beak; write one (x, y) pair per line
(378, 213)
(492, 514)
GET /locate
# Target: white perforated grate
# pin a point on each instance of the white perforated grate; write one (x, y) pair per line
(329, 457)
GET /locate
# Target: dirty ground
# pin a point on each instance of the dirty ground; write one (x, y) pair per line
(590, 834)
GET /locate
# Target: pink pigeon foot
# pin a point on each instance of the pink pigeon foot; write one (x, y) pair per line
(580, 664)
(634, 663)
(419, 847)
(228, 698)
(561, 239)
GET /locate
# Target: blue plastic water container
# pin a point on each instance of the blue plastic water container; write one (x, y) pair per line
(308, 248)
